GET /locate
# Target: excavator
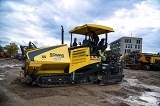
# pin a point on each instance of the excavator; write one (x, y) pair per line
(61, 65)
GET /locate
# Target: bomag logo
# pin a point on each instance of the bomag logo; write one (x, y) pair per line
(56, 55)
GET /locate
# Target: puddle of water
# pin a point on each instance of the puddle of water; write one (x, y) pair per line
(152, 98)
(132, 82)
(1, 78)
(137, 83)
(146, 99)
(10, 65)
(155, 94)
(2, 75)
(152, 87)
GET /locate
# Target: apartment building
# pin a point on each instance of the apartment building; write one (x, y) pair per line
(126, 45)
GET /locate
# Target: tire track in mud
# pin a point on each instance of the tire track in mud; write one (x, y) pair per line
(105, 97)
(89, 92)
(11, 99)
(28, 91)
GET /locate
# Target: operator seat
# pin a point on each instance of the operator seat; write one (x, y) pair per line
(101, 46)
(101, 42)
(86, 42)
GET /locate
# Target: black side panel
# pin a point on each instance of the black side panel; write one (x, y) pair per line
(90, 66)
(45, 80)
(85, 74)
(112, 79)
(37, 52)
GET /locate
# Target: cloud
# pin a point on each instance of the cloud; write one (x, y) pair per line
(40, 21)
(142, 21)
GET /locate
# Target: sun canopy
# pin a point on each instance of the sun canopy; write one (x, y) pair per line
(99, 29)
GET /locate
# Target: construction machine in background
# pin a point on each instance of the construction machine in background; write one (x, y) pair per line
(4, 54)
(130, 60)
(61, 65)
(149, 61)
(144, 61)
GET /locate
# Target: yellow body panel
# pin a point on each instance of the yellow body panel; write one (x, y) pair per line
(51, 61)
(154, 58)
(80, 57)
(60, 50)
(142, 59)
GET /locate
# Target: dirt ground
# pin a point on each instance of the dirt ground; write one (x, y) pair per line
(137, 89)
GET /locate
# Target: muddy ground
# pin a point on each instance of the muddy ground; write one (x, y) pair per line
(137, 89)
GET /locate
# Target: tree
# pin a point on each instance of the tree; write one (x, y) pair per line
(11, 48)
(110, 52)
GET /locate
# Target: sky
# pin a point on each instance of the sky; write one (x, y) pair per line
(40, 21)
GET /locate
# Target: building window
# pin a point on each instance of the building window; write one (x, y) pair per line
(127, 51)
(138, 46)
(128, 45)
(126, 40)
(138, 41)
(135, 46)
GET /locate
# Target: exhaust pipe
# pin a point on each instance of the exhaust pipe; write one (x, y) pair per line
(62, 35)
